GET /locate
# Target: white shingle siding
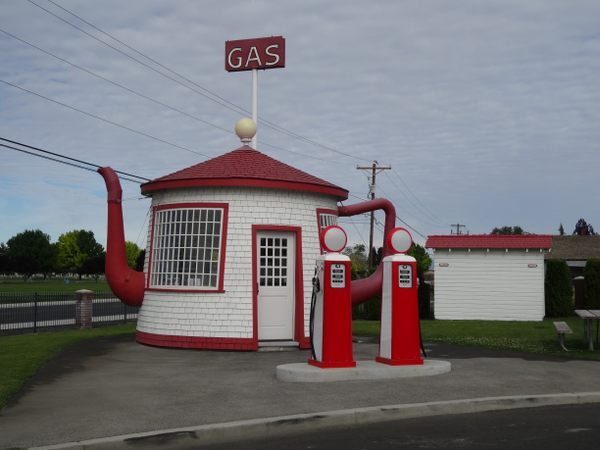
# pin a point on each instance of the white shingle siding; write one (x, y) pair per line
(229, 314)
(494, 285)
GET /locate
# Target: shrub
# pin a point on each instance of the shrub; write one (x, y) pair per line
(558, 289)
(369, 310)
(592, 284)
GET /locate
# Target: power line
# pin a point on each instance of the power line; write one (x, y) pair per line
(61, 162)
(141, 133)
(458, 228)
(375, 168)
(425, 209)
(96, 166)
(158, 63)
(397, 217)
(147, 97)
(219, 100)
(421, 218)
(148, 66)
(114, 83)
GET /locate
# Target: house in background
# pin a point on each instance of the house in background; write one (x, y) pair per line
(489, 277)
(575, 250)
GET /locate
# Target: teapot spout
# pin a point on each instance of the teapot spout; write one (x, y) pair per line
(126, 283)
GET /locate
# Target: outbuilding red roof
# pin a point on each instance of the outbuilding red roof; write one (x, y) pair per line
(245, 167)
(490, 241)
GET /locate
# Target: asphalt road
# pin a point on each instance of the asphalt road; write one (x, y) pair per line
(548, 428)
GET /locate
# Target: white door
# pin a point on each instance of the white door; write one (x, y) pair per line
(276, 268)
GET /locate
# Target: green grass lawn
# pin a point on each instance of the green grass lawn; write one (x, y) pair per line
(22, 356)
(55, 285)
(534, 337)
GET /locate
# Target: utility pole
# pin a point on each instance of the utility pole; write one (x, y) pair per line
(375, 168)
(458, 227)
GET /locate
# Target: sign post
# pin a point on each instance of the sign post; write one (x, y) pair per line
(253, 54)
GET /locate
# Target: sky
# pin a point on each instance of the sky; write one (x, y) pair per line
(487, 112)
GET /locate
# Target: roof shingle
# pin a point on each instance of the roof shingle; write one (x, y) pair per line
(245, 167)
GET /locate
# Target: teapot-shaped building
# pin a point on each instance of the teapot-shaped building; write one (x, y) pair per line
(231, 249)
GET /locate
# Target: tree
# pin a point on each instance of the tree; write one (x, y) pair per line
(508, 230)
(139, 262)
(4, 268)
(561, 230)
(420, 254)
(582, 228)
(94, 266)
(358, 258)
(132, 251)
(558, 289)
(423, 263)
(30, 252)
(75, 248)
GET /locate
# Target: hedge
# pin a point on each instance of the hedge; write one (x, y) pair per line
(591, 272)
(558, 288)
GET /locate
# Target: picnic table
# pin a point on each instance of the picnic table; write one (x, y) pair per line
(589, 316)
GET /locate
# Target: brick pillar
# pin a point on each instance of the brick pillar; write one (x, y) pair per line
(83, 308)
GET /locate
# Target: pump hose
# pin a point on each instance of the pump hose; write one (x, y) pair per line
(316, 288)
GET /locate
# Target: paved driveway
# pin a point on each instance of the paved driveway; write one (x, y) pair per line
(116, 386)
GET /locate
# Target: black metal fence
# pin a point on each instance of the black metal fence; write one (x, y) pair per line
(29, 313)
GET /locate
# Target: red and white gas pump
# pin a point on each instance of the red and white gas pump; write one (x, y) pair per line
(399, 342)
(331, 308)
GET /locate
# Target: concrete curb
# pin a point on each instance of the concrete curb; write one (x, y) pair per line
(364, 370)
(192, 437)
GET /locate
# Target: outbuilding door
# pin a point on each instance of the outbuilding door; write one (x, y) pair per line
(275, 283)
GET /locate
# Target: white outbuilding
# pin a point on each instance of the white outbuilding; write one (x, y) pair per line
(489, 277)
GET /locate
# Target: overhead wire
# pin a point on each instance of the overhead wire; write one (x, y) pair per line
(149, 98)
(89, 114)
(148, 66)
(355, 227)
(62, 162)
(233, 106)
(219, 99)
(425, 209)
(421, 218)
(114, 83)
(96, 166)
(397, 217)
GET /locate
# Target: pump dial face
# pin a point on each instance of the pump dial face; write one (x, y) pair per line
(400, 240)
(333, 239)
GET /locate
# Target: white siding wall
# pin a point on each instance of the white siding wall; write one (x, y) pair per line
(229, 314)
(497, 285)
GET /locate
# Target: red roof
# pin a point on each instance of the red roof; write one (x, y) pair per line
(490, 241)
(245, 167)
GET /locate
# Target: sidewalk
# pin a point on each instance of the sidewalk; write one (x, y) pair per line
(116, 386)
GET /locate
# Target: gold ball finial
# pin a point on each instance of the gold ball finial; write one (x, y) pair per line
(245, 129)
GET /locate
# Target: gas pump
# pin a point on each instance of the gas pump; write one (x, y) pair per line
(331, 308)
(399, 342)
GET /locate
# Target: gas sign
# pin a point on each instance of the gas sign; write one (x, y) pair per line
(258, 53)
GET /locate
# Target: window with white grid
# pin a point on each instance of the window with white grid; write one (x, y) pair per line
(326, 220)
(273, 262)
(187, 248)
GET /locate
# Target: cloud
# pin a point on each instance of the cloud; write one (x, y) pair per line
(487, 110)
